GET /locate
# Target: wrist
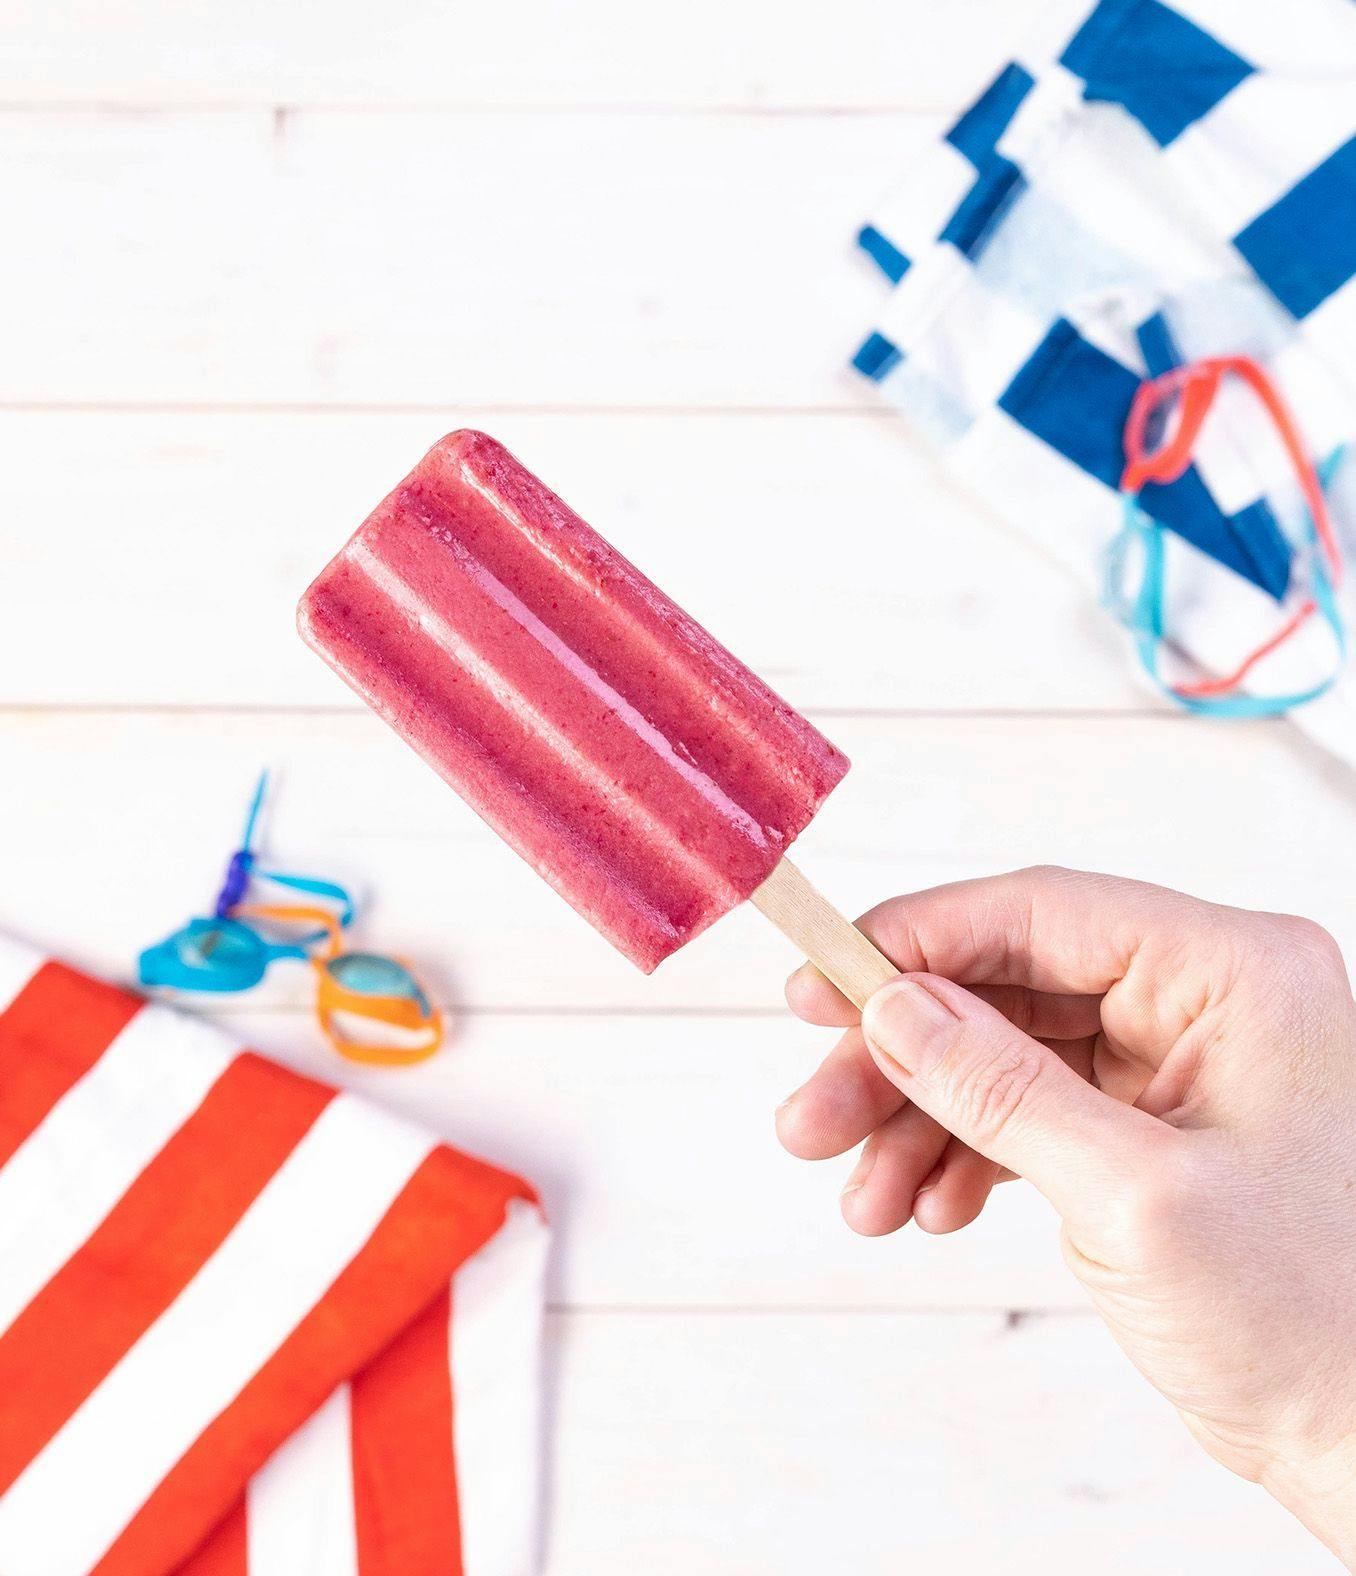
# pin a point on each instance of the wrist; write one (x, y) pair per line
(1320, 1490)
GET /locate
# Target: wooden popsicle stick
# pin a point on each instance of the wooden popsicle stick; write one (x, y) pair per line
(834, 945)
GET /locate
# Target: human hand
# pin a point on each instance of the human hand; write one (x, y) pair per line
(1179, 1080)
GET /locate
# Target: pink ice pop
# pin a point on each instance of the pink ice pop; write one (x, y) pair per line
(637, 765)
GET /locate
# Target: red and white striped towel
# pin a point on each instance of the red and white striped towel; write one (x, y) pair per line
(248, 1326)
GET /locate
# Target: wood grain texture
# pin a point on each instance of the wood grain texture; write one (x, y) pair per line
(815, 927)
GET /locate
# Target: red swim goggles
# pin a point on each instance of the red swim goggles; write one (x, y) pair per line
(1173, 407)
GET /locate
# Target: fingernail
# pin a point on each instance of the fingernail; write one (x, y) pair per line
(908, 1025)
(930, 1181)
(860, 1172)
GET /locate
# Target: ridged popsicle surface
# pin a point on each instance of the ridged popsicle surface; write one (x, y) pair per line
(642, 769)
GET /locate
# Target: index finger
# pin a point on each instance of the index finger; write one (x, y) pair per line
(1046, 929)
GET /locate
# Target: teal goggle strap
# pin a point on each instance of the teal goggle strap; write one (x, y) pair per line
(314, 887)
(212, 955)
(1142, 615)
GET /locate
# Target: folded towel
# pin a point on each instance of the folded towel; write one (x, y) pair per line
(1161, 184)
(247, 1324)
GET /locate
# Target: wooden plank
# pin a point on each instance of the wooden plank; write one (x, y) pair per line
(651, 1140)
(141, 808)
(828, 551)
(710, 53)
(877, 1444)
(535, 259)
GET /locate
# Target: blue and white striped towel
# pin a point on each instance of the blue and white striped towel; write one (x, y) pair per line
(1168, 182)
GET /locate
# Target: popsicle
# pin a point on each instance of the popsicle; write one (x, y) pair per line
(645, 772)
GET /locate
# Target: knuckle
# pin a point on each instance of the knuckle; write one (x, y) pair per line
(1312, 941)
(1046, 875)
(1165, 1199)
(1052, 875)
(1151, 1212)
(1299, 957)
(992, 1085)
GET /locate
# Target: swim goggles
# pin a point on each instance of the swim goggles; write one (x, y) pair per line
(1161, 434)
(363, 985)
(221, 954)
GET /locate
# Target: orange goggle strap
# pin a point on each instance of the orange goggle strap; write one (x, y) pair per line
(400, 1012)
(295, 914)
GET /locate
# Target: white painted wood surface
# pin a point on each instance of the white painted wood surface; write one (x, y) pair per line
(771, 1442)
(258, 258)
(707, 55)
(651, 1139)
(225, 515)
(930, 799)
(546, 258)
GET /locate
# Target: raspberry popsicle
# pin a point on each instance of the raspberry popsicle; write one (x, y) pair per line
(637, 765)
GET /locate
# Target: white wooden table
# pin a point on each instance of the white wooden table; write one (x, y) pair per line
(257, 257)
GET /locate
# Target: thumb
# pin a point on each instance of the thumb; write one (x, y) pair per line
(1005, 1094)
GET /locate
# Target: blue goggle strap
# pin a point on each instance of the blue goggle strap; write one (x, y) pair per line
(1143, 616)
(164, 963)
(314, 887)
